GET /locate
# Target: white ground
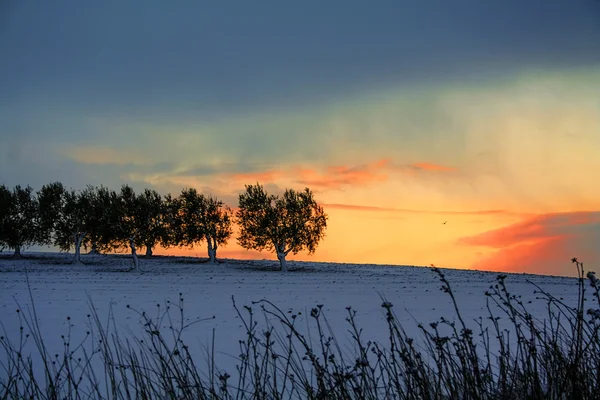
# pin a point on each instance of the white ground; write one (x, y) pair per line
(60, 291)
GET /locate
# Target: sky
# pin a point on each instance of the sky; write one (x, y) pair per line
(459, 133)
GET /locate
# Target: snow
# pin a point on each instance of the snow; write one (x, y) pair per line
(60, 290)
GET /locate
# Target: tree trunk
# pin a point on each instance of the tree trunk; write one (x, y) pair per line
(212, 250)
(215, 251)
(78, 238)
(282, 261)
(148, 250)
(136, 264)
(17, 254)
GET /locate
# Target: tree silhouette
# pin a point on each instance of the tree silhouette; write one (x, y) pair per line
(218, 221)
(101, 218)
(152, 221)
(20, 218)
(5, 206)
(288, 224)
(203, 218)
(51, 203)
(129, 221)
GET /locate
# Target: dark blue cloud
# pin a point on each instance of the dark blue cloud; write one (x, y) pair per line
(135, 74)
(191, 58)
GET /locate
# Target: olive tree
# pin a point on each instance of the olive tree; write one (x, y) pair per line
(128, 221)
(284, 224)
(74, 223)
(51, 204)
(203, 218)
(19, 218)
(101, 217)
(5, 208)
(151, 220)
(218, 221)
(65, 217)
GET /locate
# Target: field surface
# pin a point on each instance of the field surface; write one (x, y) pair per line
(60, 291)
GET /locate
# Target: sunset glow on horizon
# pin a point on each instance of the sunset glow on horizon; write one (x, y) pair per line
(474, 147)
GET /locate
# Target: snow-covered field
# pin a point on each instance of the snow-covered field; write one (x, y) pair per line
(60, 290)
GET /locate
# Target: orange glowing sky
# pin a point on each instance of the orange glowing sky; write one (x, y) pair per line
(480, 123)
(512, 176)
